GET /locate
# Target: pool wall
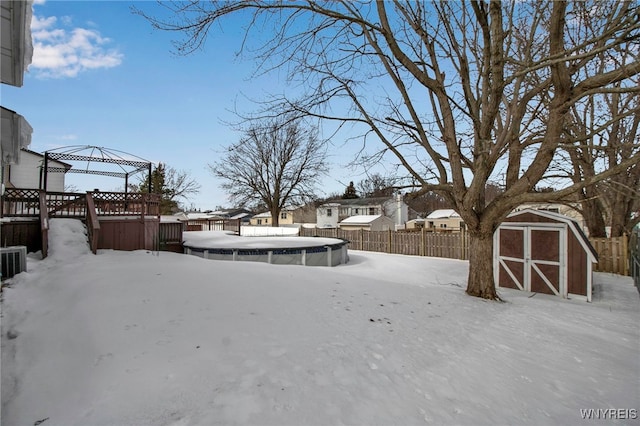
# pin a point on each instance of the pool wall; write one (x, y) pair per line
(322, 255)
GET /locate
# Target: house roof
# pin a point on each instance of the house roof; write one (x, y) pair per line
(443, 214)
(360, 201)
(360, 219)
(65, 165)
(241, 216)
(196, 216)
(268, 214)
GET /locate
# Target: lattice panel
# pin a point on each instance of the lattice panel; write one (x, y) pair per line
(66, 204)
(20, 202)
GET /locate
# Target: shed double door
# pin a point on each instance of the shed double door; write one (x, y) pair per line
(531, 258)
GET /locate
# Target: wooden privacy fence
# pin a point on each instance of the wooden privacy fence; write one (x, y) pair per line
(454, 245)
(613, 254)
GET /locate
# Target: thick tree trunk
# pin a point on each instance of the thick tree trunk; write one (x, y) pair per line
(617, 225)
(594, 218)
(481, 282)
(275, 218)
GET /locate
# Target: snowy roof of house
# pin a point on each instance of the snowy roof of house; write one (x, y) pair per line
(240, 216)
(268, 214)
(361, 219)
(371, 201)
(194, 216)
(443, 214)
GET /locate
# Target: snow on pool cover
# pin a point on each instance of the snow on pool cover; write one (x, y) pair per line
(308, 251)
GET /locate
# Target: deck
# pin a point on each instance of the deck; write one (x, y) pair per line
(114, 220)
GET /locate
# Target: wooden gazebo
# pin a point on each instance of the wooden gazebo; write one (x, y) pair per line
(126, 164)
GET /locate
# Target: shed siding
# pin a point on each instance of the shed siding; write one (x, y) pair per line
(128, 234)
(530, 217)
(576, 267)
(574, 253)
(25, 233)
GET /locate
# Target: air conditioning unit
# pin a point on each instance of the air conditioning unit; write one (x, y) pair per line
(14, 260)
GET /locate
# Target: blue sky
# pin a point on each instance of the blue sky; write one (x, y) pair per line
(102, 76)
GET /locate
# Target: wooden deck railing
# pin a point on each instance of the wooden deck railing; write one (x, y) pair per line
(26, 203)
(44, 225)
(93, 225)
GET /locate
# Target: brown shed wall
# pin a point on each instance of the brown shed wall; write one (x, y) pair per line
(576, 267)
(576, 261)
(129, 234)
(25, 233)
(530, 217)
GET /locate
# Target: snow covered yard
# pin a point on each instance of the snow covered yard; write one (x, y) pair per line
(136, 338)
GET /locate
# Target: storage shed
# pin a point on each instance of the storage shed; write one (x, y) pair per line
(544, 252)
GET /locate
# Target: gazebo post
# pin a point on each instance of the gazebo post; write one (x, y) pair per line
(45, 171)
(149, 178)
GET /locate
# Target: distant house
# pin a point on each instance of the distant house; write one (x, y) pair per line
(415, 223)
(443, 219)
(28, 173)
(264, 219)
(329, 215)
(234, 214)
(367, 222)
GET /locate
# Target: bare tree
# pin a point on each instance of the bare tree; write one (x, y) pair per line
(458, 92)
(173, 186)
(613, 201)
(377, 185)
(608, 122)
(278, 163)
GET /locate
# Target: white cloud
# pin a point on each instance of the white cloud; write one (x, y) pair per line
(59, 52)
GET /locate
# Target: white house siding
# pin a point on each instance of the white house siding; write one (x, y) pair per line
(327, 215)
(393, 208)
(27, 174)
(443, 219)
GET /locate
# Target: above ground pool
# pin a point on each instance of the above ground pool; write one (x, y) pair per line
(308, 251)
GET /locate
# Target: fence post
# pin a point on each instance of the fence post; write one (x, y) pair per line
(361, 238)
(625, 254)
(422, 242)
(390, 239)
(462, 244)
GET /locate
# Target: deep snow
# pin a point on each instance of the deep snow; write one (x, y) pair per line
(141, 338)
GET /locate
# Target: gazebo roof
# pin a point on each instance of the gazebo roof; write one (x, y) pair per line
(126, 164)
